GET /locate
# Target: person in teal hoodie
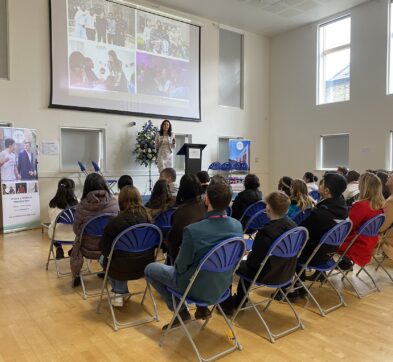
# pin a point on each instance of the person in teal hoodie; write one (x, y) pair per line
(198, 239)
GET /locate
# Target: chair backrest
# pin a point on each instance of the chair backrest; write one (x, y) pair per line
(82, 166)
(226, 166)
(300, 216)
(337, 234)
(371, 227)
(315, 195)
(96, 166)
(215, 166)
(138, 238)
(256, 222)
(253, 209)
(66, 216)
(228, 211)
(289, 244)
(164, 220)
(225, 256)
(96, 225)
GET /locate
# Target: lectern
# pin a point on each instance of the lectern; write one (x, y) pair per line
(193, 156)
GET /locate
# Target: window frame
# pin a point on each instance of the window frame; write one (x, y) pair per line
(321, 81)
(320, 160)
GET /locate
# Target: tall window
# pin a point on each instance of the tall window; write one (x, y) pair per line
(334, 151)
(390, 42)
(334, 60)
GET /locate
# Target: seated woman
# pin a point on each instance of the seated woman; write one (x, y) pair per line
(369, 205)
(284, 184)
(190, 209)
(352, 192)
(160, 199)
(204, 179)
(125, 266)
(383, 176)
(311, 181)
(64, 198)
(249, 196)
(96, 200)
(386, 229)
(300, 200)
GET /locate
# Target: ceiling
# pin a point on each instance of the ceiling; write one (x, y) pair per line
(265, 17)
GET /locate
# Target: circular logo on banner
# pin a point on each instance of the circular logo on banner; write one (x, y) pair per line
(239, 146)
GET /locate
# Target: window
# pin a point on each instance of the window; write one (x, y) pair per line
(390, 43)
(81, 144)
(334, 151)
(3, 40)
(178, 161)
(230, 80)
(334, 60)
(390, 156)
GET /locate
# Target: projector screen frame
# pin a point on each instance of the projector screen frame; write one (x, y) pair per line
(119, 112)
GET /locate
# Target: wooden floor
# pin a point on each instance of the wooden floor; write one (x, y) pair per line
(43, 319)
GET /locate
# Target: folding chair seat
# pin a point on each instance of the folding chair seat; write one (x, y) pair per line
(93, 228)
(288, 246)
(315, 195)
(369, 228)
(135, 239)
(300, 216)
(224, 257)
(255, 223)
(334, 237)
(110, 182)
(65, 217)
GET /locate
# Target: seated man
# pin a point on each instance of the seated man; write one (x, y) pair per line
(198, 239)
(169, 174)
(277, 270)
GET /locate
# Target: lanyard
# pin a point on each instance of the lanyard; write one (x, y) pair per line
(217, 217)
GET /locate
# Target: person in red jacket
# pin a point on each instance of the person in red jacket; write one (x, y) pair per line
(369, 205)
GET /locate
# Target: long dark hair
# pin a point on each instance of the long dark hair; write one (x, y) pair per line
(160, 196)
(65, 196)
(162, 128)
(94, 182)
(189, 189)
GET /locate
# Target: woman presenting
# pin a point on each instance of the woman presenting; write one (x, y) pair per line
(165, 143)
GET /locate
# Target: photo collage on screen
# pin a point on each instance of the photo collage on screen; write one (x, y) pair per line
(115, 48)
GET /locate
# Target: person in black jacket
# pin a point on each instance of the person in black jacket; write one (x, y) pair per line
(244, 199)
(125, 266)
(276, 270)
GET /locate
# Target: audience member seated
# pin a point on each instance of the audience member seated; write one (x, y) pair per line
(352, 192)
(124, 180)
(284, 184)
(125, 266)
(277, 270)
(244, 199)
(311, 181)
(369, 205)
(342, 170)
(204, 179)
(64, 198)
(96, 200)
(160, 199)
(322, 218)
(383, 176)
(219, 179)
(190, 209)
(198, 239)
(169, 174)
(300, 200)
(386, 228)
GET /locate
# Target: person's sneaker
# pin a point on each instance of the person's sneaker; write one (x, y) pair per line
(202, 313)
(345, 264)
(101, 274)
(59, 253)
(76, 282)
(118, 300)
(185, 316)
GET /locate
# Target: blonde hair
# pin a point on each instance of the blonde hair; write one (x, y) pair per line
(370, 188)
(130, 201)
(278, 202)
(299, 193)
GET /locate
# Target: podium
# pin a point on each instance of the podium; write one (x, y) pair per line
(193, 157)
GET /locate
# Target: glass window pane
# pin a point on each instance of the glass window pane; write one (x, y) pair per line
(337, 34)
(335, 151)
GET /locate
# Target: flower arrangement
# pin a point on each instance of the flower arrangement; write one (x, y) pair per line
(145, 150)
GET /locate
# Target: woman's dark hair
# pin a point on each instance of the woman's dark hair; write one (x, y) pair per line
(342, 170)
(251, 182)
(284, 184)
(203, 177)
(189, 189)
(130, 201)
(124, 180)
(353, 176)
(65, 196)
(94, 182)
(160, 196)
(310, 177)
(383, 176)
(162, 128)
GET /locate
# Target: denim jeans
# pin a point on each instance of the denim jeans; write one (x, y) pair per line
(161, 276)
(118, 286)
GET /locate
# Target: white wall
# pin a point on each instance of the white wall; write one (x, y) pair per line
(296, 121)
(25, 99)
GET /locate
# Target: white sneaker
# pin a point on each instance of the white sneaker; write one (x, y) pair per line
(118, 300)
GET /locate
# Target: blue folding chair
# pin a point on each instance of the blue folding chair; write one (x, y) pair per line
(110, 182)
(252, 209)
(214, 166)
(224, 257)
(315, 195)
(65, 217)
(135, 239)
(300, 216)
(83, 168)
(334, 237)
(226, 167)
(94, 228)
(255, 223)
(381, 261)
(288, 246)
(164, 220)
(369, 228)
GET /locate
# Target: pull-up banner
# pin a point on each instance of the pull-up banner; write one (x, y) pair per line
(20, 202)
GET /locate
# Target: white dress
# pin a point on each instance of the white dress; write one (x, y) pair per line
(165, 151)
